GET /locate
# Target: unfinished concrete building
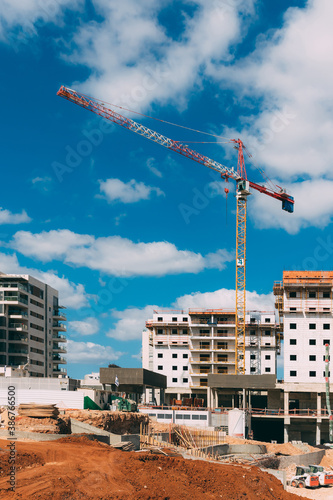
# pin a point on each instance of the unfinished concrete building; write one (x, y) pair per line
(187, 346)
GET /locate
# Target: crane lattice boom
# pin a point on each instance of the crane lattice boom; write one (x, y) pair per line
(243, 186)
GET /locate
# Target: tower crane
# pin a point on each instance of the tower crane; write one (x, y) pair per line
(243, 186)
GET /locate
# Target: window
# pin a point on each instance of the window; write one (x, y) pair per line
(292, 295)
(175, 355)
(159, 319)
(326, 295)
(267, 369)
(292, 309)
(293, 326)
(185, 368)
(160, 355)
(312, 357)
(326, 341)
(252, 332)
(185, 380)
(174, 367)
(175, 380)
(252, 369)
(184, 331)
(292, 341)
(174, 319)
(159, 331)
(326, 326)
(324, 358)
(312, 374)
(312, 326)
(267, 320)
(324, 374)
(293, 373)
(160, 343)
(293, 357)
(253, 356)
(185, 356)
(312, 342)
(267, 333)
(267, 356)
(185, 320)
(160, 367)
(174, 331)
(312, 295)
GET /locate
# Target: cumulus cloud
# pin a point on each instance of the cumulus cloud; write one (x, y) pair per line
(88, 352)
(89, 326)
(115, 255)
(71, 294)
(116, 190)
(7, 217)
(130, 322)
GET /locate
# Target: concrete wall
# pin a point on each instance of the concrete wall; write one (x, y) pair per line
(62, 399)
(180, 417)
(305, 459)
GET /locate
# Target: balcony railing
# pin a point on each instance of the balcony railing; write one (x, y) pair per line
(18, 326)
(15, 298)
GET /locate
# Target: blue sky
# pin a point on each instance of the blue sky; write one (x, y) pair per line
(98, 212)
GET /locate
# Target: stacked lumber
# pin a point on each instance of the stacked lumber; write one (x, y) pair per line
(38, 411)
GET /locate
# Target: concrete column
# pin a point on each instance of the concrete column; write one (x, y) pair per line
(286, 433)
(209, 397)
(179, 396)
(318, 405)
(233, 401)
(244, 399)
(144, 395)
(216, 398)
(318, 434)
(249, 398)
(286, 404)
(153, 395)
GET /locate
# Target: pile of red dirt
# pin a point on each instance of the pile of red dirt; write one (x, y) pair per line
(76, 468)
(117, 422)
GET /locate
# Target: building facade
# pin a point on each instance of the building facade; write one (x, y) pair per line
(31, 326)
(187, 346)
(304, 300)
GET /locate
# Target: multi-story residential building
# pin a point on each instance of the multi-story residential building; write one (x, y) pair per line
(304, 300)
(31, 322)
(187, 346)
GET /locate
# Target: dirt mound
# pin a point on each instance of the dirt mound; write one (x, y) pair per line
(76, 468)
(117, 422)
(43, 425)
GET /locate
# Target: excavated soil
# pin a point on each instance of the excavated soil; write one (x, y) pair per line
(116, 422)
(43, 425)
(76, 468)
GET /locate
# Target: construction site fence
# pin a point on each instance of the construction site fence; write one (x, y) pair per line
(306, 412)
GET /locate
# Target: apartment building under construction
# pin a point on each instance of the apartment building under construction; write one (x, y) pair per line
(186, 346)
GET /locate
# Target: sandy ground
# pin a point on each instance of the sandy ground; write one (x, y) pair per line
(75, 468)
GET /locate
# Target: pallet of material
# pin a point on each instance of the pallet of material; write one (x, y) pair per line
(38, 411)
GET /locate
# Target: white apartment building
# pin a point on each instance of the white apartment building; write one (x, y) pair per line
(304, 300)
(187, 346)
(31, 322)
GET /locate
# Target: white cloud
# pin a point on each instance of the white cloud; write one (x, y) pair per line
(313, 207)
(71, 295)
(88, 352)
(7, 217)
(131, 322)
(28, 13)
(116, 190)
(115, 255)
(134, 62)
(224, 299)
(89, 326)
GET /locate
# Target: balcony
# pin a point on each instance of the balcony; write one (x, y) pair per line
(59, 349)
(60, 327)
(18, 314)
(18, 338)
(59, 371)
(15, 298)
(59, 338)
(171, 340)
(17, 286)
(18, 326)
(58, 359)
(59, 315)
(17, 350)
